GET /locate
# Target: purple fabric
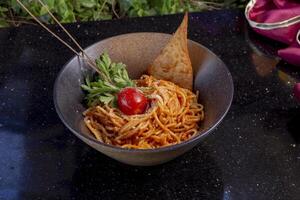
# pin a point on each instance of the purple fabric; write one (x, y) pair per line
(297, 91)
(275, 11)
(291, 54)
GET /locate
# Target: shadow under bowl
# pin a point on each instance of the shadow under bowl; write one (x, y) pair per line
(137, 50)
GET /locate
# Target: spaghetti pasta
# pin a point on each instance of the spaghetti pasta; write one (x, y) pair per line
(173, 117)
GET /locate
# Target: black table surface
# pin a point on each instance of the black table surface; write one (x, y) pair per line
(253, 154)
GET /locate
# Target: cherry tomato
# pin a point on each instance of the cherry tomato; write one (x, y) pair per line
(131, 101)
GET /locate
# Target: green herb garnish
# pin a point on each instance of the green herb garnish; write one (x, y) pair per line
(103, 90)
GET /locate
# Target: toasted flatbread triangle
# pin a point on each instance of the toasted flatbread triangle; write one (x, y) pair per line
(173, 63)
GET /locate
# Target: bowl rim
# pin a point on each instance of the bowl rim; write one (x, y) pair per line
(160, 149)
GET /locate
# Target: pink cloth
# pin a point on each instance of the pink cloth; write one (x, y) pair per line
(297, 91)
(279, 20)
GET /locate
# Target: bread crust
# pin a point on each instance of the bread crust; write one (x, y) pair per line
(173, 63)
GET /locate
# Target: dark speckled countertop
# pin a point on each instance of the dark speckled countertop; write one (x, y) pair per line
(254, 154)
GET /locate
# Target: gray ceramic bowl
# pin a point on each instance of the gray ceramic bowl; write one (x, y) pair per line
(137, 51)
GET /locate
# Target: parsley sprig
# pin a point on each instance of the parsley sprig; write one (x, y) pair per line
(103, 89)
